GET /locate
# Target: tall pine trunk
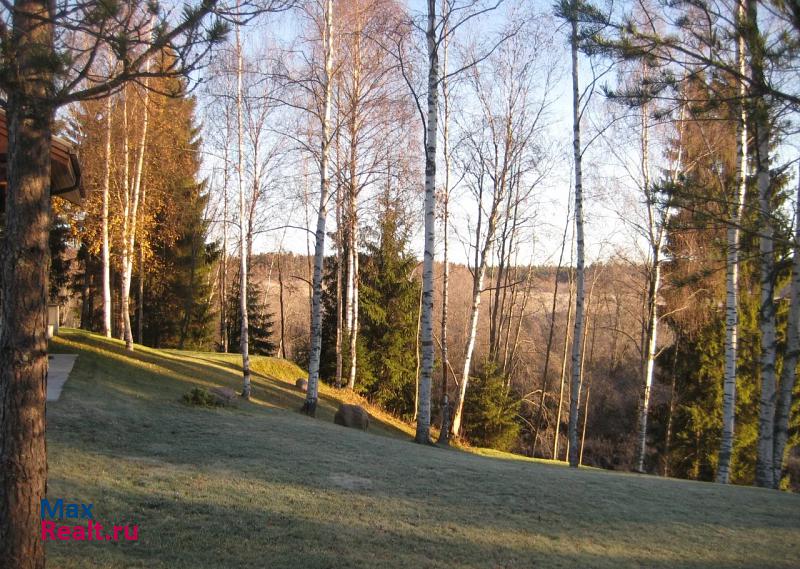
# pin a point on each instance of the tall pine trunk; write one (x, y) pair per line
(310, 405)
(25, 263)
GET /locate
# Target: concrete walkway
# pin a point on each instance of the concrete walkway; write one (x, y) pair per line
(58, 373)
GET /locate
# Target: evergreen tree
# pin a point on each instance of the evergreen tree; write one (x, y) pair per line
(259, 319)
(491, 410)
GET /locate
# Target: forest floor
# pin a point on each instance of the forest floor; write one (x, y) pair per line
(260, 485)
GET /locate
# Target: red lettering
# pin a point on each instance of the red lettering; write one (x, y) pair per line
(48, 530)
(64, 533)
(133, 535)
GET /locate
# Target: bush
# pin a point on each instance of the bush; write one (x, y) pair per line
(201, 397)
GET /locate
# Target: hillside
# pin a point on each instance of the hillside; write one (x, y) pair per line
(260, 485)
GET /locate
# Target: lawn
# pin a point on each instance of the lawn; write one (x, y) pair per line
(263, 486)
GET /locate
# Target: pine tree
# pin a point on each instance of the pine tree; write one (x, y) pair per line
(260, 321)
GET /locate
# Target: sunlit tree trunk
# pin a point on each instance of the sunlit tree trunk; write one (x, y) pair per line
(244, 336)
(766, 319)
(444, 434)
(790, 358)
(431, 126)
(310, 405)
(732, 268)
(579, 291)
(106, 253)
(25, 264)
(563, 378)
(655, 231)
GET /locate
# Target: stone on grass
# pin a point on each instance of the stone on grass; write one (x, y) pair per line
(301, 384)
(224, 395)
(353, 416)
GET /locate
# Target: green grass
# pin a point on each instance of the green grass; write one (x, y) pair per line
(262, 486)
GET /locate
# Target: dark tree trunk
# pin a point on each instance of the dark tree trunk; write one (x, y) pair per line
(25, 267)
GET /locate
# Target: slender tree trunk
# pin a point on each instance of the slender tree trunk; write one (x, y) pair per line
(282, 350)
(548, 350)
(106, 253)
(223, 295)
(130, 244)
(671, 410)
(310, 405)
(766, 319)
(477, 286)
(140, 298)
(579, 292)
(732, 269)
(340, 320)
(790, 358)
(652, 338)
(25, 264)
(655, 232)
(244, 335)
(444, 433)
(563, 366)
(432, 123)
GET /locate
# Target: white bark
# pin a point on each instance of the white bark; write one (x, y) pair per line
(310, 405)
(655, 232)
(132, 216)
(761, 122)
(790, 358)
(424, 390)
(244, 336)
(477, 287)
(580, 284)
(106, 256)
(732, 270)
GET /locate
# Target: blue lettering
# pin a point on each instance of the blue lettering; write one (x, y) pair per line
(57, 511)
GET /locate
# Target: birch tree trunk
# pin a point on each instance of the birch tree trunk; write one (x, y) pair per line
(732, 269)
(549, 348)
(244, 336)
(790, 358)
(477, 286)
(223, 295)
(339, 280)
(424, 390)
(444, 433)
(310, 405)
(106, 254)
(562, 380)
(766, 318)
(579, 292)
(655, 231)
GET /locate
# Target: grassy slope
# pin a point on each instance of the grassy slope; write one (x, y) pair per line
(263, 486)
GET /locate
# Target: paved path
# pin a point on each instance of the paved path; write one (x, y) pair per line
(58, 373)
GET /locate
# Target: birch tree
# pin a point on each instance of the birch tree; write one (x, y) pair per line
(732, 261)
(310, 405)
(569, 12)
(106, 253)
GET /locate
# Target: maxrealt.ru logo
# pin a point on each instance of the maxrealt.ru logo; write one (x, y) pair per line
(89, 530)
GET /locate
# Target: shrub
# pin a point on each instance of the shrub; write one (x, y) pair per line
(201, 397)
